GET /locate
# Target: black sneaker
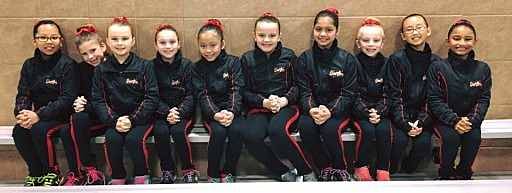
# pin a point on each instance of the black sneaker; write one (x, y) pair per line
(190, 176)
(73, 179)
(52, 179)
(228, 178)
(325, 175)
(340, 175)
(94, 176)
(168, 177)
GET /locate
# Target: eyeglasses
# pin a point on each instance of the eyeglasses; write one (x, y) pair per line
(411, 29)
(46, 38)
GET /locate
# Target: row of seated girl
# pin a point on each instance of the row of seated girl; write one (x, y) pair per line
(320, 93)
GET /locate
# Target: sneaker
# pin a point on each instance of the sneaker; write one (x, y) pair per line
(362, 174)
(340, 175)
(71, 179)
(117, 182)
(228, 178)
(383, 175)
(168, 177)
(307, 178)
(33, 181)
(190, 176)
(214, 180)
(141, 180)
(325, 174)
(289, 176)
(52, 179)
(94, 176)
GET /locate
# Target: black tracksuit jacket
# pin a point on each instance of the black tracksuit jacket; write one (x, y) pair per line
(406, 71)
(125, 89)
(218, 85)
(327, 77)
(50, 86)
(174, 85)
(459, 88)
(266, 75)
(372, 87)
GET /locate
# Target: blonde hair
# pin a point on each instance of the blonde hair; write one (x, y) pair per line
(369, 22)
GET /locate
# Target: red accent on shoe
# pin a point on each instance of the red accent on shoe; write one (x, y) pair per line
(383, 175)
(71, 179)
(139, 180)
(362, 174)
(94, 176)
(118, 182)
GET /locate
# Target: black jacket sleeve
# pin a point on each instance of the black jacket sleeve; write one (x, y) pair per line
(237, 86)
(250, 98)
(204, 100)
(293, 91)
(437, 98)
(342, 106)
(480, 109)
(304, 83)
(150, 102)
(396, 77)
(187, 106)
(23, 97)
(99, 100)
(64, 102)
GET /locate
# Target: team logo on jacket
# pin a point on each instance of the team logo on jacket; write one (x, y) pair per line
(175, 82)
(278, 69)
(424, 77)
(379, 80)
(335, 73)
(50, 82)
(225, 75)
(475, 84)
(132, 81)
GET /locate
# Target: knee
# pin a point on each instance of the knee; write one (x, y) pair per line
(306, 125)
(80, 117)
(178, 130)
(112, 137)
(218, 132)
(161, 130)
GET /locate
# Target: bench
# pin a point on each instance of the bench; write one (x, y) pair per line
(491, 129)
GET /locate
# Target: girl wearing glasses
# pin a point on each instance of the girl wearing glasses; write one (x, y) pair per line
(46, 90)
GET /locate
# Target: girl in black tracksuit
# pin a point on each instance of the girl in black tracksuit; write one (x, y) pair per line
(218, 82)
(459, 96)
(46, 90)
(176, 97)
(372, 105)
(125, 96)
(406, 71)
(327, 81)
(270, 71)
(84, 123)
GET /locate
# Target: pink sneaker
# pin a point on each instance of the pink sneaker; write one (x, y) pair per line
(141, 179)
(362, 174)
(383, 175)
(118, 181)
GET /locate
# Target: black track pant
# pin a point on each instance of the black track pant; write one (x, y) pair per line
(451, 141)
(179, 133)
(278, 127)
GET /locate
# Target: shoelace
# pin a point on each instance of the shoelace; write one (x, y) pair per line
(93, 175)
(50, 179)
(167, 176)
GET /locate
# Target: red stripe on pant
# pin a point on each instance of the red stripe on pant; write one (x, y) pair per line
(359, 138)
(294, 143)
(187, 141)
(144, 147)
(340, 129)
(52, 162)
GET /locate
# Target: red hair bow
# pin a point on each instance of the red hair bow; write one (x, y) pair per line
(333, 10)
(267, 14)
(120, 20)
(164, 26)
(87, 28)
(370, 21)
(462, 21)
(216, 23)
